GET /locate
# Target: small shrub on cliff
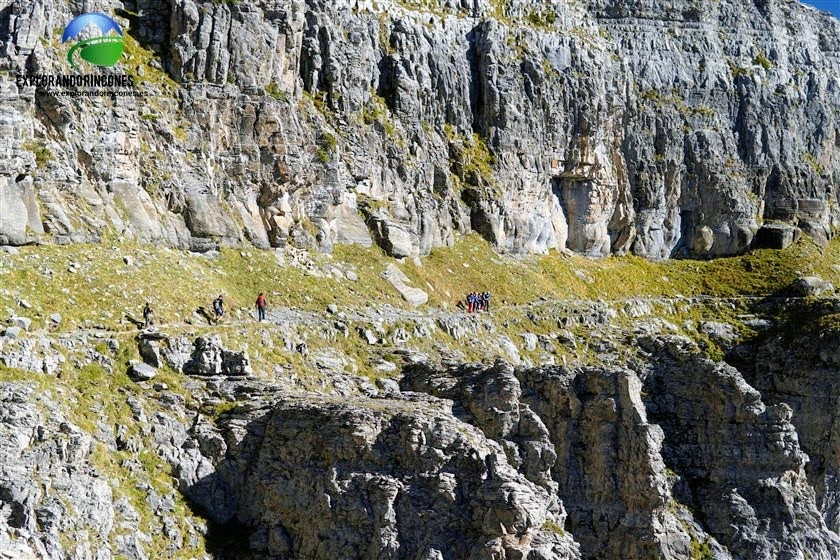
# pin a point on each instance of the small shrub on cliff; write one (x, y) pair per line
(322, 155)
(812, 162)
(326, 145)
(273, 89)
(553, 527)
(327, 141)
(762, 60)
(43, 155)
(544, 20)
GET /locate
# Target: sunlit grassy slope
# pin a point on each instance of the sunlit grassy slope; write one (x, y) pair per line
(104, 289)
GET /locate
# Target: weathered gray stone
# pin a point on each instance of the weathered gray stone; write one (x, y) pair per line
(142, 372)
(12, 332)
(775, 236)
(810, 286)
(210, 358)
(23, 322)
(530, 340)
(467, 136)
(718, 435)
(315, 440)
(149, 352)
(721, 333)
(414, 296)
(176, 352)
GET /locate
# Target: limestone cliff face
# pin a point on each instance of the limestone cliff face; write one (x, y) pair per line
(801, 371)
(598, 126)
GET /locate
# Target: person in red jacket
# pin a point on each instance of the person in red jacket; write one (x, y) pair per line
(261, 307)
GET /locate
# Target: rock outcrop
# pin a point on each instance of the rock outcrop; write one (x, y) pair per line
(662, 463)
(374, 479)
(599, 126)
(205, 356)
(739, 461)
(801, 372)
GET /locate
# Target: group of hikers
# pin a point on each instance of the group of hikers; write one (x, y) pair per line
(478, 301)
(218, 310)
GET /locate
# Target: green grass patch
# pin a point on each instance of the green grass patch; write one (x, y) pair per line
(273, 89)
(136, 57)
(106, 292)
(43, 155)
(553, 527)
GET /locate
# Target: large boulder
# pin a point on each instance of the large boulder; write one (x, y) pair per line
(141, 372)
(176, 352)
(775, 236)
(24, 323)
(414, 296)
(12, 332)
(394, 238)
(20, 217)
(810, 286)
(149, 352)
(209, 357)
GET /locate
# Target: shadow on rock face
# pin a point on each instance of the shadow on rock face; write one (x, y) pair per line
(372, 478)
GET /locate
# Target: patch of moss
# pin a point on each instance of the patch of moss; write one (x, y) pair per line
(762, 60)
(327, 141)
(553, 527)
(430, 6)
(541, 19)
(135, 57)
(43, 155)
(273, 89)
(812, 162)
(322, 155)
(701, 550)
(737, 71)
(376, 111)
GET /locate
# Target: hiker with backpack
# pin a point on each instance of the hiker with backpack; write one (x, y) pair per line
(260, 307)
(148, 315)
(218, 308)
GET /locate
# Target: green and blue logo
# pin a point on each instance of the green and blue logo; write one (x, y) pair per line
(103, 50)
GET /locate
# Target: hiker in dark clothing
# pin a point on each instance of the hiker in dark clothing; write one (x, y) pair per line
(479, 298)
(470, 302)
(218, 308)
(261, 307)
(148, 315)
(486, 300)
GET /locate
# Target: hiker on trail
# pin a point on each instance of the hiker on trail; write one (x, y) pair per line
(218, 308)
(471, 300)
(261, 307)
(479, 302)
(486, 300)
(148, 315)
